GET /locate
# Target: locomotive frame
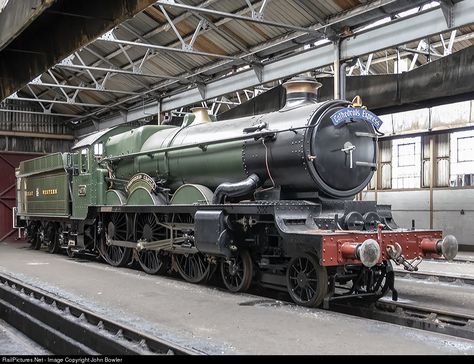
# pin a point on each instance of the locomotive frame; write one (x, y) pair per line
(277, 210)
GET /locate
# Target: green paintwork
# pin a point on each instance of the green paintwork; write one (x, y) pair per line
(89, 187)
(42, 186)
(143, 197)
(83, 192)
(131, 141)
(47, 163)
(63, 176)
(114, 198)
(44, 195)
(210, 166)
(192, 194)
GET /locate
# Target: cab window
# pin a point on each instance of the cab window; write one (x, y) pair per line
(98, 150)
(84, 160)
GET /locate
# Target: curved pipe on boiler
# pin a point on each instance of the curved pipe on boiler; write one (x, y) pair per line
(227, 189)
(342, 77)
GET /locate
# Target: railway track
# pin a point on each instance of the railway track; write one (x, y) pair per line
(457, 259)
(436, 277)
(63, 327)
(411, 315)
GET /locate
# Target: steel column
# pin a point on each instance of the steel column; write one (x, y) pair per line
(432, 176)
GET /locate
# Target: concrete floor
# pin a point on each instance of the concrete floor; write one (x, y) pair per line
(13, 342)
(213, 320)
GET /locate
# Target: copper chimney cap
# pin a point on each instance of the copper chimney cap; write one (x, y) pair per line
(201, 115)
(301, 90)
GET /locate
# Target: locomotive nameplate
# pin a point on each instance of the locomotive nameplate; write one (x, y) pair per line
(141, 179)
(355, 114)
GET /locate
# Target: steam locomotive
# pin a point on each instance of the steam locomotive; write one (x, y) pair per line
(265, 199)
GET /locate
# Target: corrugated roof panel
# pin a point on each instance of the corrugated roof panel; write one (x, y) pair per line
(151, 26)
(142, 22)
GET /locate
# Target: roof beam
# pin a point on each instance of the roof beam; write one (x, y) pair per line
(151, 33)
(47, 101)
(37, 113)
(51, 37)
(398, 32)
(391, 34)
(459, 38)
(259, 48)
(23, 134)
(223, 14)
(82, 88)
(166, 49)
(116, 70)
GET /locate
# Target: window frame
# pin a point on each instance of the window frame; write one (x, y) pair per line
(414, 155)
(84, 161)
(457, 149)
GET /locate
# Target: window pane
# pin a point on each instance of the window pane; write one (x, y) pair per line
(98, 149)
(84, 161)
(462, 159)
(466, 149)
(406, 156)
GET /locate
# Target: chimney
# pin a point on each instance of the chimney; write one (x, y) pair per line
(300, 90)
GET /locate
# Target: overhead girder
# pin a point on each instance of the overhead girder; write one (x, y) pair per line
(400, 31)
(58, 31)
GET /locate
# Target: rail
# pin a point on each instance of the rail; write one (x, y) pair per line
(66, 328)
(412, 315)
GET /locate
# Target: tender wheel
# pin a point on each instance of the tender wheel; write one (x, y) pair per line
(306, 280)
(194, 268)
(237, 272)
(32, 234)
(40, 237)
(51, 238)
(149, 229)
(115, 229)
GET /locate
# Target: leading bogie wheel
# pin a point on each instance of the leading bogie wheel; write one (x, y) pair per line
(237, 272)
(306, 280)
(383, 281)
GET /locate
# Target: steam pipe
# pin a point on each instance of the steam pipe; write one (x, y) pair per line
(337, 59)
(342, 76)
(251, 183)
